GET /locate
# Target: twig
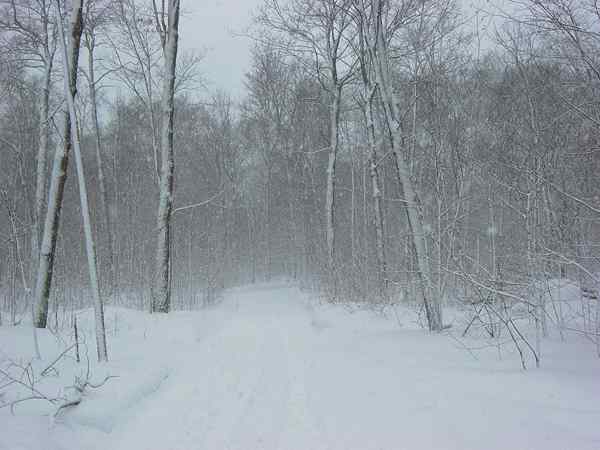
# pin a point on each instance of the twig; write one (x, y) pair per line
(43, 373)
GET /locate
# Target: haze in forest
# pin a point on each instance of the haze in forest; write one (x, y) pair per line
(316, 224)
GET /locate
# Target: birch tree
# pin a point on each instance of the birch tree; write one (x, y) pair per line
(169, 34)
(384, 21)
(57, 180)
(77, 23)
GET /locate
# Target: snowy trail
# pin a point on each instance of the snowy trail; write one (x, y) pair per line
(268, 369)
(277, 373)
(241, 388)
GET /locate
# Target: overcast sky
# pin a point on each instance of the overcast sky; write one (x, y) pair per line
(212, 25)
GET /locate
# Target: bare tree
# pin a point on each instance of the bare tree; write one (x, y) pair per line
(320, 33)
(136, 58)
(33, 23)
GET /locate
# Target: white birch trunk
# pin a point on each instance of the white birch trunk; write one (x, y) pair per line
(415, 220)
(161, 300)
(76, 24)
(44, 138)
(40, 183)
(57, 186)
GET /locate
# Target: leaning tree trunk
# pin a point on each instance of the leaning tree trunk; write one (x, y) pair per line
(415, 220)
(85, 210)
(57, 184)
(161, 296)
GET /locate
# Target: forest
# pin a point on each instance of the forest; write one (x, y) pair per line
(385, 156)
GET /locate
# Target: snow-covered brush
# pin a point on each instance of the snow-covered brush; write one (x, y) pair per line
(17, 376)
(24, 378)
(74, 393)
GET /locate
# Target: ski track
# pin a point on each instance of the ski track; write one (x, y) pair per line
(248, 392)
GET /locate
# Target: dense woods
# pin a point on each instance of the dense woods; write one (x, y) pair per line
(384, 151)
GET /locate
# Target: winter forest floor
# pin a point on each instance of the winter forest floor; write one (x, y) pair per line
(269, 367)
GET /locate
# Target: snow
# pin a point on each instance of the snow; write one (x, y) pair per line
(271, 367)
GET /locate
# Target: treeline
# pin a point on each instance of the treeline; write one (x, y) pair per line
(379, 154)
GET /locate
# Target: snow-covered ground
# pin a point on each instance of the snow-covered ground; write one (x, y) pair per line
(271, 368)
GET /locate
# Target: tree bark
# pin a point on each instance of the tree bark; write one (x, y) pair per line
(41, 183)
(57, 184)
(330, 193)
(161, 296)
(377, 200)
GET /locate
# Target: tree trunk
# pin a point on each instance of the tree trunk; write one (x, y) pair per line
(293, 228)
(57, 184)
(411, 199)
(377, 200)
(101, 181)
(330, 194)
(40, 184)
(85, 210)
(161, 296)
(268, 237)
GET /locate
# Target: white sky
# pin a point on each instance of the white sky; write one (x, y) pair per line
(211, 25)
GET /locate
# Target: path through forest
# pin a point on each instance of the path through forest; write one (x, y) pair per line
(274, 372)
(242, 386)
